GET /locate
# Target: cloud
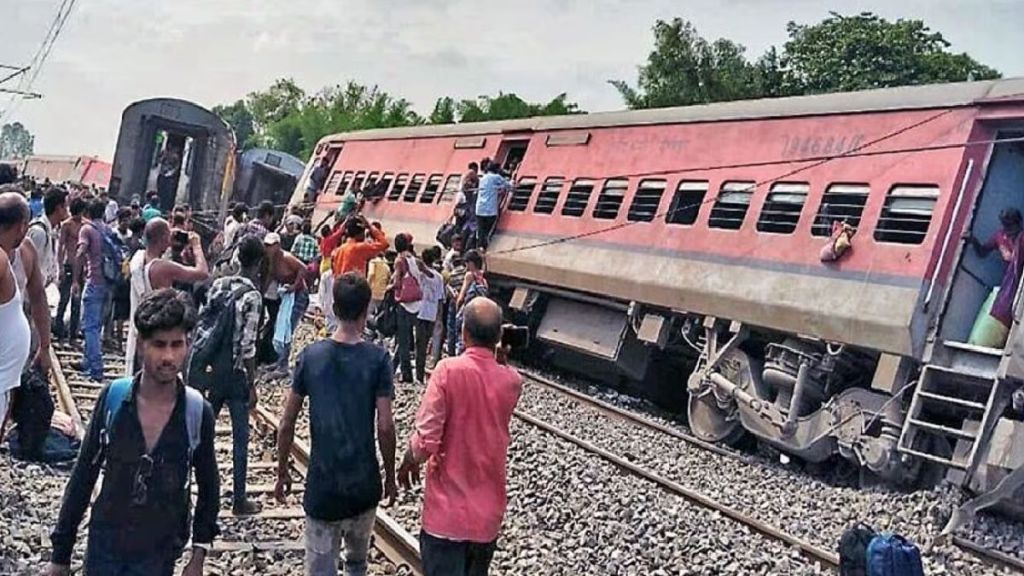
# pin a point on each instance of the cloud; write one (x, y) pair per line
(114, 52)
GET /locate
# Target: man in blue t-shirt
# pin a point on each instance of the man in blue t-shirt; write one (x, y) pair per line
(349, 383)
(487, 200)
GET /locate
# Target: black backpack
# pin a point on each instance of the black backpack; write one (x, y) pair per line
(853, 549)
(31, 410)
(385, 319)
(211, 362)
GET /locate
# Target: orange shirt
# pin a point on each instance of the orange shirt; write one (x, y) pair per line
(353, 255)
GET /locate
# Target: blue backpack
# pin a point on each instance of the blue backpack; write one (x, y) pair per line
(119, 391)
(893, 555)
(114, 255)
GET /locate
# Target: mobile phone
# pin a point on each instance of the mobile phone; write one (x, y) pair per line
(515, 337)
(181, 236)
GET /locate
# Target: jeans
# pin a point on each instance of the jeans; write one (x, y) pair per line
(102, 558)
(94, 299)
(238, 409)
(485, 227)
(76, 307)
(408, 323)
(437, 338)
(442, 557)
(454, 330)
(298, 311)
(265, 346)
(324, 539)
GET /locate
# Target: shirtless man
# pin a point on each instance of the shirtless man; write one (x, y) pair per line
(150, 271)
(290, 275)
(67, 244)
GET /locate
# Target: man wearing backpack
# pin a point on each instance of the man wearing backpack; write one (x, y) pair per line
(149, 434)
(223, 359)
(89, 262)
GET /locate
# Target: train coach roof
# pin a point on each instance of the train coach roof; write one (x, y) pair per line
(903, 98)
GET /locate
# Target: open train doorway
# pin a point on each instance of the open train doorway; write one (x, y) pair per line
(988, 254)
(170, 168)
(511, 154)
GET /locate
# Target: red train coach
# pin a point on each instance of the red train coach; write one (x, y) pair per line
(645, 237)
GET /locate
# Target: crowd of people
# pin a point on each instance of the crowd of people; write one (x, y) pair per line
(200, 323)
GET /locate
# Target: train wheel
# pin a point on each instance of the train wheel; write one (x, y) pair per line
(715, 419)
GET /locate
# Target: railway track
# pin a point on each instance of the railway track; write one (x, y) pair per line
(986, 555)
(271, 539)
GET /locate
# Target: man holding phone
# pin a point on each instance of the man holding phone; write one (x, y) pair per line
(465, 416)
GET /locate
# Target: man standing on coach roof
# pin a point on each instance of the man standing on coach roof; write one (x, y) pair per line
(462, 429)
(149, 440)
(348, 381)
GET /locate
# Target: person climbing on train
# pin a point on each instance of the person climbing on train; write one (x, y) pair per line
(148, 271)
(1007, 240)
(151, 435)
(317, 178)
(492, 188)
(464, 212)
(349, 382)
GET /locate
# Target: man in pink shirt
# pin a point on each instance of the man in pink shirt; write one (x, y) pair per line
(462, 433)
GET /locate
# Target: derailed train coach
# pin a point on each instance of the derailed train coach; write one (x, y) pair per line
(187, 155)
(679, 251)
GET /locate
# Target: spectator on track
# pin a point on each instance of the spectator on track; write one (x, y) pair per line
(462, 432)
(409, 329)
(357, 250)
(431, 316)
(67, 246)
(152, 208)
(43, 232)
(343, 488)
(16, 343)
(89, 266)
(234, 222)
(149, 271)
(160, 432)
(259, 226)
(474, 285)
(305, 246)
(288, 276)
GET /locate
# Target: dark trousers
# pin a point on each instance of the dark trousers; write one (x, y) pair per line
(485, 227)
(413, 333)
(265, 348)
(102, 558)
(64, 287)
(238, 409)
(443, 557)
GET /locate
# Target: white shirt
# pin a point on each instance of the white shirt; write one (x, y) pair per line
(43, 238)
(15, 344)
(230, 228)
(110, 214)
(432, 287)
(138, 270)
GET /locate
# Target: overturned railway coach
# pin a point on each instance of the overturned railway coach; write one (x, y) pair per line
(686, 243)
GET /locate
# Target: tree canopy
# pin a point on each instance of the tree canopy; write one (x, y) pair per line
(16, 141)
(284, 117)
(840, 53)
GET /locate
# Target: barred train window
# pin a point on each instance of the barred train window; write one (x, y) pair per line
(331, 187)
(907, 214)
(372, 178)
(686, 202)
(430, 191)
(386, 180)
(521, 195)
(610, 199)
(414, 188)
(781, 211)
(451, 188)
(399, 187)
(548, 197)
(840, 202)
(646, 201)
(359, 181)
(578, 197)
(346, 181)
(731, 206)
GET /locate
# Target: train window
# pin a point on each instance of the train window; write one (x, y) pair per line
(781, 211)
(686, 202)
(610, 199)
(333, 183)
(346, 181)
(430, 190)
(521, 195)
(414, 188)
(372, 178)
(396, 190)
(645, 203)
(451, 188)
(731, 205)
(359, 181)
(385, 182)
(842, 202)
(578, 197)
(906, 214)
(548, 197)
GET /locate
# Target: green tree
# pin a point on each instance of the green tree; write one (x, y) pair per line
(282, 99)
(16, 141)
(444, 111)
(843, 53)
(684, 69)
(509, 106)
(238, 117)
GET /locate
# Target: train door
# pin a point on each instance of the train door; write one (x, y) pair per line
(511, 153)
(987, 253)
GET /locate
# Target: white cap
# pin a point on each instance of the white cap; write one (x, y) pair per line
(272, 238)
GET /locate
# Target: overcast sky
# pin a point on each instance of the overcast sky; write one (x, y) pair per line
(114, 52)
